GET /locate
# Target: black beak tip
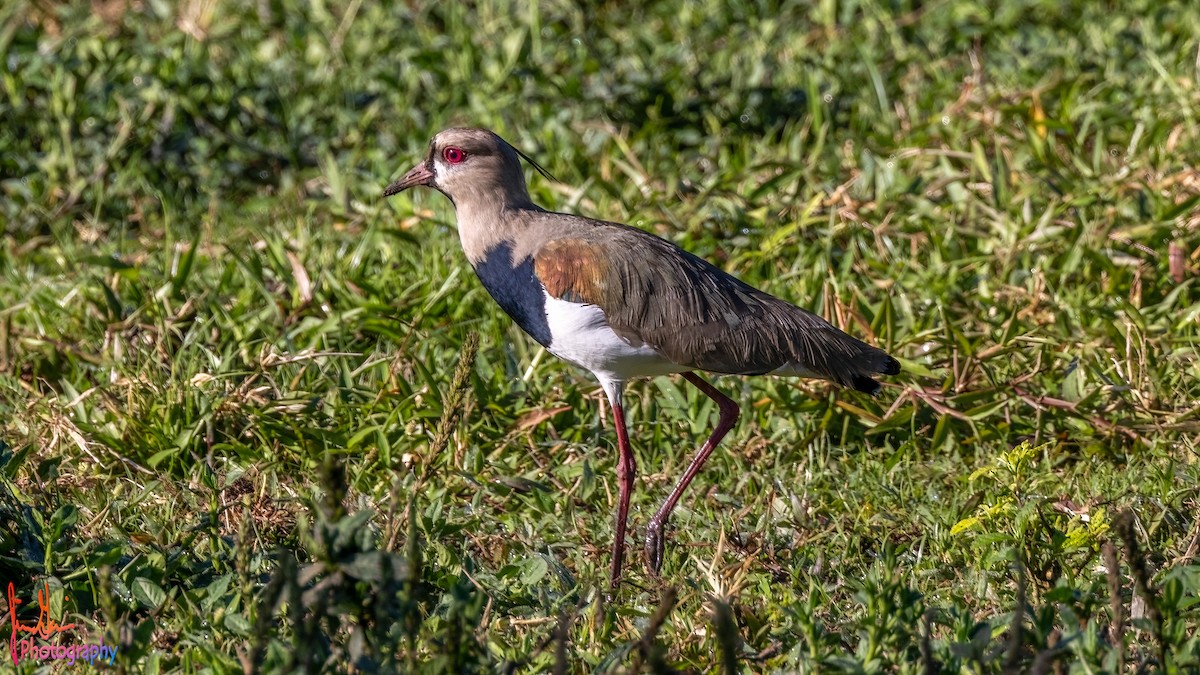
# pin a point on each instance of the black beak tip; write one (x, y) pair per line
(420, 174)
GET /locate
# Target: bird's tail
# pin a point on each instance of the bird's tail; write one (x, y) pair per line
(824, 351)
(874, 361)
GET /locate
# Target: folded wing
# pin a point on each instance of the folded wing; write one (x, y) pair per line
(655, 293)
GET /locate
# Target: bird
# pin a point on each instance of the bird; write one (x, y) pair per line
(623, 303)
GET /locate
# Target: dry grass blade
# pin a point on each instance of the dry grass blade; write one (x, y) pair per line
(1125, 526)
(1116, 631)
(728, 638)
(648, 652)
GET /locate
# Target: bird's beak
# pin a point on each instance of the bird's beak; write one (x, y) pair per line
(419, 175)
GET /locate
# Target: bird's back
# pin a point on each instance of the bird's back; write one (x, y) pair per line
(653, 292)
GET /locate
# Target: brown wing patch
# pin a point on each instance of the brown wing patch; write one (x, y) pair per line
(573, 270)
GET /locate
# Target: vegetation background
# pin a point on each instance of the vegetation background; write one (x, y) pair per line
(255, 418)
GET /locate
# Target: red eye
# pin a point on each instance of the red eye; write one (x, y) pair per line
(454, 155)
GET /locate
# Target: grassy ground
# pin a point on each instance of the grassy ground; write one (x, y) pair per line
(252, 416)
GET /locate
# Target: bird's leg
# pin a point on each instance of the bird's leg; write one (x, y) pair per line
(626, 470)
(729, 411)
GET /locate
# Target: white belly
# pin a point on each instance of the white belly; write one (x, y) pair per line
(581, 335)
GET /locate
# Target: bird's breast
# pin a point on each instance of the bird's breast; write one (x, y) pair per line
(515, 287)
(574, 331)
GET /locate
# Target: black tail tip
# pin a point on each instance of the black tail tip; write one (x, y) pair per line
(864, 384)
(867, 385)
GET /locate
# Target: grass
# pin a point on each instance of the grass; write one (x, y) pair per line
(255, 418)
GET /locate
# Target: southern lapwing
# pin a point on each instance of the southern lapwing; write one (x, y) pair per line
(624, 303)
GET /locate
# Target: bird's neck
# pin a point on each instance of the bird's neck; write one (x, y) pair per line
(485, 224)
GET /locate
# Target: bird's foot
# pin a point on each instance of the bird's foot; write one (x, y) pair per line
(656, 546)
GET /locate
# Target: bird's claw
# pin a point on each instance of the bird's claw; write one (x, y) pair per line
(656, 546)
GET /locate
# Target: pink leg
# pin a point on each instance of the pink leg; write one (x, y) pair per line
(626, 470)
(729, 411)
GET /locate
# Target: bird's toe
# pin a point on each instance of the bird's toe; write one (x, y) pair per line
(656, 545)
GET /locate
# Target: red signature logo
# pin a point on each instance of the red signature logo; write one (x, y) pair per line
(45, 627)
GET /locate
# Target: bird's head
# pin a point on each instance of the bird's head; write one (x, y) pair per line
(468, 165)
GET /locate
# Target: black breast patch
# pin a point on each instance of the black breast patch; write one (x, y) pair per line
(517, 290)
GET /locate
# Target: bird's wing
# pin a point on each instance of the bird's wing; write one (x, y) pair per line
(655, 293)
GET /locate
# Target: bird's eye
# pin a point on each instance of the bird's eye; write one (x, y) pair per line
(454, 155)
